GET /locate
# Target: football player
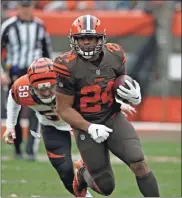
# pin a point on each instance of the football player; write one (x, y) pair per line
(85, 100)
(36, 90)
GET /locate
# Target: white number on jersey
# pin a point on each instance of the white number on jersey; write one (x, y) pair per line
(23, 91)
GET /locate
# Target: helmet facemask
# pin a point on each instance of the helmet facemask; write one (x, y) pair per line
(46, 93)
(42, 80)
(87, 50)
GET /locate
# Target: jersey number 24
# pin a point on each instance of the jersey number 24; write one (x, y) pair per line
(93, 103)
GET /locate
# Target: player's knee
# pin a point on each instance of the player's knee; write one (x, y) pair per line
(140, 168)
(105, 183)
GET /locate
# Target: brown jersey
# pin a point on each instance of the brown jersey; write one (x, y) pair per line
(91, 85)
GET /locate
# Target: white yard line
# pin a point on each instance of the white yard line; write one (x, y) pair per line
(157, 126)
(144, 126)
(114, 160)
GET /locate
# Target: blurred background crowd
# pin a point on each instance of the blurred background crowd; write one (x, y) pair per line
(51, 5)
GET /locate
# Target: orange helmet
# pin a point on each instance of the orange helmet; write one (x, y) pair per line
(41, 73)
(87, 26)
(42, 77)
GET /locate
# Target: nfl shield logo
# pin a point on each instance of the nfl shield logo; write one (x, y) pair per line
(98, 71)
(60, 84)
(82, 137)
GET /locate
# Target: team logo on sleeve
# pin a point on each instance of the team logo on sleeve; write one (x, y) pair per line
(82, 137)
(60, 84)
(98, 72)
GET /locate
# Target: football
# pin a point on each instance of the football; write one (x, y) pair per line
(120, 80)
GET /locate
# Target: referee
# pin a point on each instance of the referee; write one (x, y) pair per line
(25, 39)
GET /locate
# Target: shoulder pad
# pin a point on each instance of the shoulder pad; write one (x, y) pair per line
(64, 63)
(116, 50)
(67, 57)
(21, 92)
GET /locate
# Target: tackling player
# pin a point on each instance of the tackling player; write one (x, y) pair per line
(36, 90)
(84, 99)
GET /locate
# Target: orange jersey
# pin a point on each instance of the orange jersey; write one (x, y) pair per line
(21, 92)
(46, 114)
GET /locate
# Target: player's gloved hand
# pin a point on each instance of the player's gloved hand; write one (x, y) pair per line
(132, 94)
(99, 132)
(9, 135)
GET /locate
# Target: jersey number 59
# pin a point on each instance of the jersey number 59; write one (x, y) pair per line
(23, 91)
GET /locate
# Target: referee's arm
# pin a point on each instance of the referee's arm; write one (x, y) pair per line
(4, 42)
(4, 77)
(46, 45)
(4, 36)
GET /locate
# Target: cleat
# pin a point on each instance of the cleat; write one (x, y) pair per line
(79, 184)
(88, 194)
(18, 156)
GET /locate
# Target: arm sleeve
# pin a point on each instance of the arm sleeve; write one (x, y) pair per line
(13, 110)
(4, 35)
(121, 70)
(122, 58)
(46, 45)
(65, 82)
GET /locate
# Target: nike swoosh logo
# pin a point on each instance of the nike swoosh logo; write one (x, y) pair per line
(136, 98)
(97, 131)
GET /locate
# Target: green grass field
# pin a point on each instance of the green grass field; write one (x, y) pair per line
(163, 151)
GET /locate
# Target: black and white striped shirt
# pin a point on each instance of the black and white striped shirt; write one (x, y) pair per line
(24, 42)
